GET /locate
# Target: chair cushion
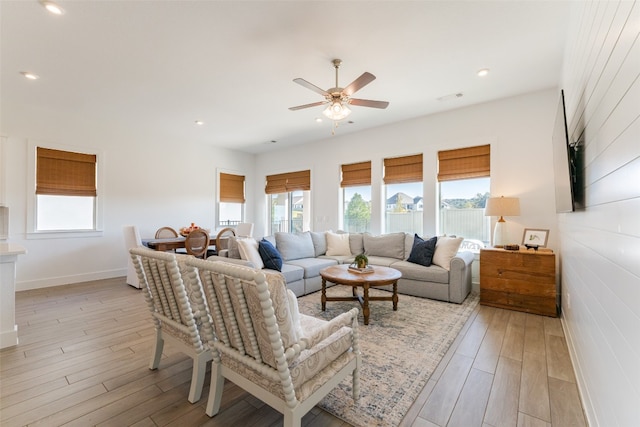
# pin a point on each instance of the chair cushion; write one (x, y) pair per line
(280, 300)
(422, 251)
(446, 248)
(337, 244)
(270, 255)
(386, 245)
(295, 246)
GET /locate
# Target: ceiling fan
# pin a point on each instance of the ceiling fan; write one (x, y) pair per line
(339, 98)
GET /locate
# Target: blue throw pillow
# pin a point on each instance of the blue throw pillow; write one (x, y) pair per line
(423, 250)
(270, 255)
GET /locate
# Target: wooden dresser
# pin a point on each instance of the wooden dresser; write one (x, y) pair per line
(523, 280)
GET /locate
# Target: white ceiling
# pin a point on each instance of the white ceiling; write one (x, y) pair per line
(155, 67)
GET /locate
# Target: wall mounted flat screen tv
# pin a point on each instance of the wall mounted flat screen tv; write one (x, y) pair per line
(563, 167)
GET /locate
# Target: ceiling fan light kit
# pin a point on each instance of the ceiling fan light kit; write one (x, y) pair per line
(339, 98)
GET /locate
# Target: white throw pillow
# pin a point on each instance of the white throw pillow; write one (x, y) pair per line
(338, 244)
(248, 248)
(295, 312)
(446, 248)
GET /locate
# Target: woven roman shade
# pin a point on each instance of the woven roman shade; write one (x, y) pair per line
(464, 163)
(356, 174)
(286, 182)
(65, 173)
(231, 188)
(399, 170)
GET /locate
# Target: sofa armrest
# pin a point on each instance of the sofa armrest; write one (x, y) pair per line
(460, 276)
(231, 260)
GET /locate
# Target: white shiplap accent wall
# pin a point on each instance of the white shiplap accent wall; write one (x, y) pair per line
(600, 245)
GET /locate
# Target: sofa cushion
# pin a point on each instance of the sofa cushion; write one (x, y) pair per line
(337, 244)
(356, 243)
(422, 251)
(312, 266)
(295, 245)
(232, 248)
(381, 260)
(446, 248)
(319, 242)
(248, 248)
(411, 271)
(386, 245)
(291, 273)
(270, 255)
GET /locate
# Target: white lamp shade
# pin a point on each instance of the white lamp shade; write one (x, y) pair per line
(502, 206)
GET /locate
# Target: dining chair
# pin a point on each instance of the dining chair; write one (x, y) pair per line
(244, 229)
(166, 233)
(222, 237)
(197, 243)
(177, 317)
(132, 240)
(261, 342)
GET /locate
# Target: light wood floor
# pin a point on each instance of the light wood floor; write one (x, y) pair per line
(84, 352)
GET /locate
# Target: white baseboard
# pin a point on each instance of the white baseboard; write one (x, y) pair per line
(68, 280)
(578, 372)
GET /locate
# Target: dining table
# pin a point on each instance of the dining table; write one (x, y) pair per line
(172, 243)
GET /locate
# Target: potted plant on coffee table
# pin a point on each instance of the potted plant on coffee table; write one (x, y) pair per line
(361, 261)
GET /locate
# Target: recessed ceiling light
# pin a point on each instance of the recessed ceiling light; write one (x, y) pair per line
(52, 7)
(199, 122)
(483, 72)
(318, 119)
(29, 75)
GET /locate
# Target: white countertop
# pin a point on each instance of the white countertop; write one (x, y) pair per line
(8, 248)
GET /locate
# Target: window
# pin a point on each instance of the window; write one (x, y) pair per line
(356, 196)
(65, 190)
(464, 182)
(289, 198)
(403, 194)
(232, 199)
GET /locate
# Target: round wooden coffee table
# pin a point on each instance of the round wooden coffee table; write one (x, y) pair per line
(341, 275)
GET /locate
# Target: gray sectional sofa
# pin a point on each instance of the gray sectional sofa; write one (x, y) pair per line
(305, 254)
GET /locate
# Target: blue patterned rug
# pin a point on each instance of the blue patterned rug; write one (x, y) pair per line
(400, 350)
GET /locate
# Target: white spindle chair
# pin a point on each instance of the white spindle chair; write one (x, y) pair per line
(172, 303)
(259, 347)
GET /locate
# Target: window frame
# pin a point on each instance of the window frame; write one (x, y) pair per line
(243, 205)
(31, 231)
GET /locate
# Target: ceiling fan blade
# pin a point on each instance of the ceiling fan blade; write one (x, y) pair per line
(368, 103)
(303, 82)
(359, 83)
(313, 104)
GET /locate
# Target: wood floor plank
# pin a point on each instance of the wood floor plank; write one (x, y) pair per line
(442, 400)
(502, 408)
(566, 409)
(534, 388)
(558, 360)
(513, 343)
(525, 420)
(534, 335)
(472, 403)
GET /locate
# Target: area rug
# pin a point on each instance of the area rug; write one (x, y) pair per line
(400, 350)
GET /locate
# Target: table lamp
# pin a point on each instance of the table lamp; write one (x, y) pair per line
(501, 206)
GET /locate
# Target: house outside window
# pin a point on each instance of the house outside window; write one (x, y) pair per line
(356, 196)
(464, 185)
(289, 199)
(232, 200)
(403, 194)
(66, 191)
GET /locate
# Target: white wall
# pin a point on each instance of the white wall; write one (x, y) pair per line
(601, 244)
(518, 129)
(149, 182)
